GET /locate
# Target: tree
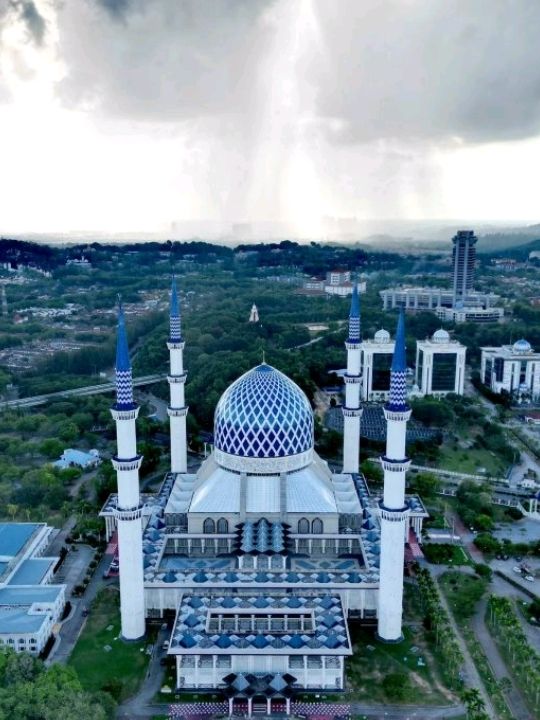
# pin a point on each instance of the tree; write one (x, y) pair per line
(426, 485)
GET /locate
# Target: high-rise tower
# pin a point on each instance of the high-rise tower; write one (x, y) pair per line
(177, 410)
(463, 260)
(352, 411)
(128, 510)
(394, 510)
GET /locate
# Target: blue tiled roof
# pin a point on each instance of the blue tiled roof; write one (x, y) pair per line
(262, 537)
(32, 571)
(12, 595)
(328, 632)
(14, 536)
(263, 415)
(18, 621)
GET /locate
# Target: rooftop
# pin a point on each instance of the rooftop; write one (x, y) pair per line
(286, 624)
(14, 536)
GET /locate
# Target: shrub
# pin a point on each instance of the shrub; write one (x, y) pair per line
(396, 686)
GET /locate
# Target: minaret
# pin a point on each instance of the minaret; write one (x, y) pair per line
(352, 411)
(178, 409)
(129, 508)
(393, 507)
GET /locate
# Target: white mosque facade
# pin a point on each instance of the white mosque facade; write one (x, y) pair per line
(264, 553)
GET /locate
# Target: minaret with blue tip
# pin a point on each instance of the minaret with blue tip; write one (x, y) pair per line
(128, 511)
(393, 507)
(177, 410)
(352, 411)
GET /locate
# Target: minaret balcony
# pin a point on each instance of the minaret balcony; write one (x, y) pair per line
(176, 344)
(394, 514)
(352, 344)
(173, 379)
(134, 513)
(352, 412)
(397, 415)
(177, 412)
(352, 379)
(398, 466)
(119, 464)
(130, 414)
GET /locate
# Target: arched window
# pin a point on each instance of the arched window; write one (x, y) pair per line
(303, 526)
(317, 526)
(209, 526)
(222, 525)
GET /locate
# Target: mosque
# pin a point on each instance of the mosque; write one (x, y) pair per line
(264, 554)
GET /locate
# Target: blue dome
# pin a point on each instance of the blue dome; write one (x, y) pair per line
(263, 414)
(521, 346)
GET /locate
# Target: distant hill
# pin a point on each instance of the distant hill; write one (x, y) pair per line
(514, 246)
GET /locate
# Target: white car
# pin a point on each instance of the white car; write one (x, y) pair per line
(517, 569)
(529, 578)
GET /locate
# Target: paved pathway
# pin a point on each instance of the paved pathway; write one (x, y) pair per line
(141, 705)
(514, 698)
(72, 627)
(472, 677)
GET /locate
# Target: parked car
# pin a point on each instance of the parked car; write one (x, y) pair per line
(529, 578)
(517, 569)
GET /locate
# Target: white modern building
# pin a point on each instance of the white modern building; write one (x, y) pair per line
(377, 355)
(431, 298)
(514, 369)
(29, 605)
(440, 365)
(470, 313)
(264, 553)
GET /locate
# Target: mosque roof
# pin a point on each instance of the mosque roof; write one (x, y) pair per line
(314, 625)
(263, 415)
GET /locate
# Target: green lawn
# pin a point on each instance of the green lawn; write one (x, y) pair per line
(373, 661)
(445, 554)
(102, 660)
(462, 592)
(470, 460)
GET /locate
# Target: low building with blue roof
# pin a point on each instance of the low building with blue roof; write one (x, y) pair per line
(78, 458)
(29, 605)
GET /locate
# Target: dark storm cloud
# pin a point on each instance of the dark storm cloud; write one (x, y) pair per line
(26, 11)
(166, 60)
(403, 69)
(117, 8)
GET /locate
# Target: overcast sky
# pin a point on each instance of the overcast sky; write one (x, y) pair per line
(121, 115)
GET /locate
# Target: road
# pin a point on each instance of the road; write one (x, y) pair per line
(77, 392)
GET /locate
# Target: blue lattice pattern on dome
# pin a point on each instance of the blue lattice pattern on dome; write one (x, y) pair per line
(263, 415)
